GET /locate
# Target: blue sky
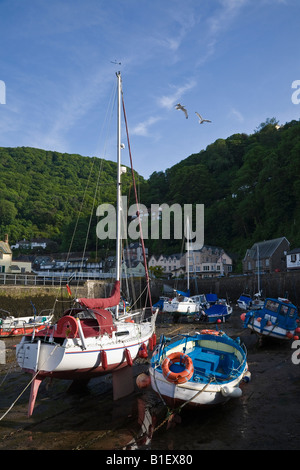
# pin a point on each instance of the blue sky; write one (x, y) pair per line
(233, 61)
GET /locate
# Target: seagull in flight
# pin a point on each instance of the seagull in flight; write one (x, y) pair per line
(179, 106)
(201, 120)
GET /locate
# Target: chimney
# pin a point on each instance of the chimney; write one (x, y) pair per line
(6, 238)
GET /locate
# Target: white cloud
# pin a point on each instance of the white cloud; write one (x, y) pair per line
(236, 114)
(168, 101)
(143, 127)
(218, 23)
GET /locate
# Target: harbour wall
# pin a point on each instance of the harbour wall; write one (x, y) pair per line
(22, 300)
(281, 284)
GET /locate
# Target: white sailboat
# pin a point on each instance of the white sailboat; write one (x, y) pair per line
(90, 340)
(183, 304)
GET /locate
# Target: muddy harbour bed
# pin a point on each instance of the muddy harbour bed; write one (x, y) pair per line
(265, 417)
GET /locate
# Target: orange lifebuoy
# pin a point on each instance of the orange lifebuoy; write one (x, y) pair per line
(178, 377)
(70, 324)
(209, 332)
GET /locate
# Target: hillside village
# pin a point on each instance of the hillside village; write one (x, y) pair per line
(211, 261)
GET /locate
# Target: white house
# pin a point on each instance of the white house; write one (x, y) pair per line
(7, 265)
(170, 264)
(30, 245)
(210, 261)
(293, 259)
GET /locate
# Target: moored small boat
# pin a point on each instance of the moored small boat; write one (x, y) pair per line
(246, 302)
(18, 326)
(182, 305)
(197, 370)
(278, 318)
(217, 313)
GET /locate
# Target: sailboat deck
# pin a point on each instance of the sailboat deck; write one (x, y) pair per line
(90, 327)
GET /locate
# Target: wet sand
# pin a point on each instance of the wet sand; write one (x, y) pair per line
(266, 417)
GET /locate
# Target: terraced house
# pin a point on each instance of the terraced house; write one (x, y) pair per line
(210, 261)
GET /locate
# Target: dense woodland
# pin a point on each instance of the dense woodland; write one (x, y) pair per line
(249, 185)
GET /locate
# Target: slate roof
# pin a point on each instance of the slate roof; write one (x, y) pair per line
(265, 249)
(294, 251)
(5, 248)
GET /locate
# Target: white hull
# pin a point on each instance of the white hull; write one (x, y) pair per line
(216, 367)
(256, 305)
(273, 332)
(194, 393)
(184, 307)
(84, 356)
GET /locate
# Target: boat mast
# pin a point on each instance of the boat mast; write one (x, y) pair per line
(188, 252)
(258, 269)
(118, 234)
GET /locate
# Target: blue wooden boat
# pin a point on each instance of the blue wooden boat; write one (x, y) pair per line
(213, 310)
(198, 370)
(246, 302)
(216, 313)
(278, 318)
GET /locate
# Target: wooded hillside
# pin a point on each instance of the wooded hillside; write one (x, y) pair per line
(249, 184)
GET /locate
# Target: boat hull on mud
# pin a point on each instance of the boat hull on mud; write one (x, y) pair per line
(219, 367)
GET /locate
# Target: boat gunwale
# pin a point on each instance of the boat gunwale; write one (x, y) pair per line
(237, 350)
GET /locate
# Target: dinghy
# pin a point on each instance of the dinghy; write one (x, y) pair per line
(18, 326)
(197, 370)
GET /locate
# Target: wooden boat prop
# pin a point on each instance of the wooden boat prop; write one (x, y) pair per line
(197, 370)
(278, 318)
(90, 339)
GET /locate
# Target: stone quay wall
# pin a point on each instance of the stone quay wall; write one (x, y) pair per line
(18, 300)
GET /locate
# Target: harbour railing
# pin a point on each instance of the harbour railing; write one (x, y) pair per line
(50, 279)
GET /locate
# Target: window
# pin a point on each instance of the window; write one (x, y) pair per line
(272, 305)
(283, 309)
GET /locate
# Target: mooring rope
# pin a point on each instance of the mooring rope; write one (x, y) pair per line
(30, 382)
